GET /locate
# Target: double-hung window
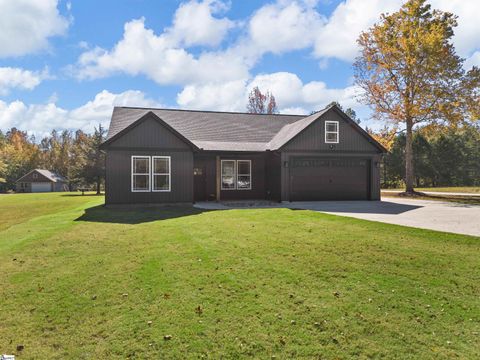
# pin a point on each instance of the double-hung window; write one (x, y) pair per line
(160, 173)
(151, 173)
(228, 175)
(244, 174)
(140, 173)
(331, 132)
(236, 174)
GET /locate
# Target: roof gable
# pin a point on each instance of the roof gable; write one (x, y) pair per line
(311, 136)
(225, 131)
(45, 174)
(141, 133)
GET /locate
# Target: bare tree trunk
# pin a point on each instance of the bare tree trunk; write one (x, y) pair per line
(98, 186)
(409, 176)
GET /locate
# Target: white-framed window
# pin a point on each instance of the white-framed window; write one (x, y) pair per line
(331, 132)
(35, 175)
(244, 174)
(161, 173)
(228, 174)
(236, 174)
(140, 173)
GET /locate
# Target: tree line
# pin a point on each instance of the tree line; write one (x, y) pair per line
(444, 156)
(73, 154)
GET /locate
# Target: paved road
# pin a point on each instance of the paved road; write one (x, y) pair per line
(435, 215)
(438, 193)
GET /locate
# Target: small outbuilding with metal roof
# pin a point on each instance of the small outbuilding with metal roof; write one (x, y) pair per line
(41, 180)
(172, 156)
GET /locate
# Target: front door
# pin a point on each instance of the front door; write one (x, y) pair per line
(199, 183)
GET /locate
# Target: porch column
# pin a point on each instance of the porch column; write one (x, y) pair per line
(218, 177)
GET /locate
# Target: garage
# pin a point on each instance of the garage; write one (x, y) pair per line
(314, 178)
(41, 187)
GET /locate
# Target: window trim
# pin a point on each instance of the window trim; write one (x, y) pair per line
(132, 168)
(249, 175)
(234, 174)
(327, 122)
(153, 173)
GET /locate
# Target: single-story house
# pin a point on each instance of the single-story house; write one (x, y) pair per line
(174, 156)
(41, 180)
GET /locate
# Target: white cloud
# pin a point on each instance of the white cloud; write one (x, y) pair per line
(194, 23)
(40, 119)
(26, 25)
(473, 60)
(290, 93)
(339, 35)
(227, 96)
(466, 37)
(11, 78)
(140, 51)
(283, 27)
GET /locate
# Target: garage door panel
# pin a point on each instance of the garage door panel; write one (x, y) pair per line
(328, 179)
(41, 187)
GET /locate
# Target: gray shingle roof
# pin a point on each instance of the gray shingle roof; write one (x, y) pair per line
(223, 131)
(211, 130)
(50, 175)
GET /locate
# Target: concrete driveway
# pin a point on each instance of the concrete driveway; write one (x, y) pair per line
(435, 215)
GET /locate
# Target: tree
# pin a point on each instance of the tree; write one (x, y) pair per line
(410, 73)
(18, 155)
(259, 103)
(93, 170)
(349, 111)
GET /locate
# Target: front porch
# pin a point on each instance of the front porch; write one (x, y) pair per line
(224, 176)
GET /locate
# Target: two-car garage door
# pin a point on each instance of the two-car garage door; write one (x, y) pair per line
(41, 187)
(313, 178)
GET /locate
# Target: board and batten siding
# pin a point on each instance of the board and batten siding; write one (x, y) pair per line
(352, 144)
(149, 138)
(313, 137)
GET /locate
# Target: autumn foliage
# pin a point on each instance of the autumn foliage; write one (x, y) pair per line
(411, 75)
(259, 103)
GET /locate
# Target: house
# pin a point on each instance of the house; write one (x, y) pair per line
(175, 156)
(40, 180)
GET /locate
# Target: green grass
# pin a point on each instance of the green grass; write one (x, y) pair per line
(79, 281)
(459, 189)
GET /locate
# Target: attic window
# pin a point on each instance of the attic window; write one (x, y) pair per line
(34, 175)
(331, 132)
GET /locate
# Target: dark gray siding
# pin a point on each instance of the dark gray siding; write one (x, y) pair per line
(150, 138)
(273, 175)
(258, 178)
(118, 178)
(352, 144)
(259, 169)
(313, 137)
(150, 134)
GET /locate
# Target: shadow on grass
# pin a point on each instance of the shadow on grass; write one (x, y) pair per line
(138, 215)
(76, 194)
(360, 207)
(456, 200)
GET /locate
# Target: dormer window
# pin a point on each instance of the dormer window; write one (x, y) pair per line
(331, 132)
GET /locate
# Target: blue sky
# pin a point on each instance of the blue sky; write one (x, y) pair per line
(65, 64)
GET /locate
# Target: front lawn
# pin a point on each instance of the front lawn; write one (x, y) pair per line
(79, 281)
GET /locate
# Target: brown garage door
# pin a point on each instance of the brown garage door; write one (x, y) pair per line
(328, 179)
